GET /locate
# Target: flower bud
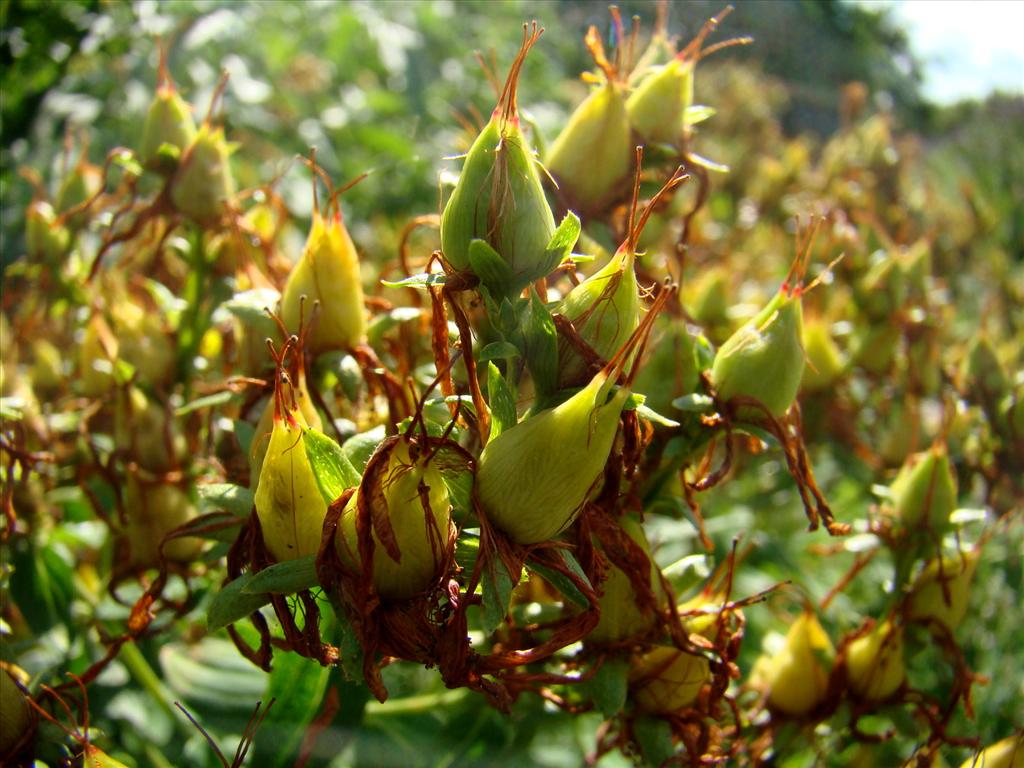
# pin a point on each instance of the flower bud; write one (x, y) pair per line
(764, 359)
(327, 273)
(15, 715)
(665, 680)
(796, 678)
(534, 478)
(169, 128)
(265, 426)
(82, 184)
(874, 662)
(203, 184)
(1008, 753)
(498, 197)
(591, 156)
(289, 506)
(657, 107)
(46, 239)
(143, 342)
(942, 590)
(882, 291)
(146, 432)
(47, 371)
(825, 362)
(622, 614)
(924, 492)
(982, 372)
(96, 356)
(153, 510)
(875, 347)
(407, 497)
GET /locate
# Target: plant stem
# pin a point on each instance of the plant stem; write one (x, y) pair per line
(152, 685)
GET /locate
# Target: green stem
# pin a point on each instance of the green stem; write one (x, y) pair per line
(144, 675)
(427, 702)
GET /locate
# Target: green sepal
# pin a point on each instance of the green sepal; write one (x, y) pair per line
(332, 469)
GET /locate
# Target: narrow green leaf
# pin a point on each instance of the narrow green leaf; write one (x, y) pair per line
(498, 350)
(541, 345)
(422, 280)
(209, 401)
(497, 589)
(231, 498)
(490, 267)
(285, 578)
(655, 739)
(562, 241)
(711, 165)
(500, 400)
(333, 471)
(653, 416)
(698, 113)
(232, 603)
(695, 403)
(609, 686)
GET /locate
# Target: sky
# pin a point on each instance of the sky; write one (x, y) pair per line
(968, 47)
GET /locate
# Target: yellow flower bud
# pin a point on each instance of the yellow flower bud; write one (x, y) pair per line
(665, 680)
(408, 494)
(796, 678)
(1008, 753)
(942, 590)
(328, 273)
(874, 662)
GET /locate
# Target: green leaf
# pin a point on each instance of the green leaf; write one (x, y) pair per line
(497, 589)
(125, 159)
(498, 350)
(230, 498)
(285, 578)
(698, 113)
(711, 165)
(209, 401)
(487, 264)
(251, 308)
(422, 280)
(541, 345)
(653, 416)
(655, 739)
(609, 686)
(233, 603)
(563, 583)
(695, 403)
(562, 242)
(333, 471)
(500, 400)
(298, 686)
(42, 585)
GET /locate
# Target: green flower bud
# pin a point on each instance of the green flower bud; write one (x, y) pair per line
(203, 184)
(46, 239)
(942, 590)
(764, 359)
(622, 616)
(328, 273)
(168, 125)
(924, 492)
(874, 662)
(883, 290)
(143, 342)
(665, 680)
(534, 478)
(408, 495)
(96, 356)
(146, 432)
(605, 308)
(824, 360)
(153, 510)
(499, 198)
(289, 506)
(657, 107)
(707, 297)
(981, 371)
(796, 678)
(47, 367)
(590, 158)
(875, 347)
(82, 184)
